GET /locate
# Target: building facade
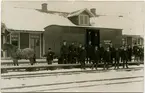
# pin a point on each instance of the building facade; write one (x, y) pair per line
(133, 40)
(41, 29)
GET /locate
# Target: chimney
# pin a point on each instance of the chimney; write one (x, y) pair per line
(93, 10)
(44, 7)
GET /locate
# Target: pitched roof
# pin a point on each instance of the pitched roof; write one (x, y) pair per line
(31, 19)
(114, 22)
(64, 14)
(134, 36)
(75, 13)
(105, 22)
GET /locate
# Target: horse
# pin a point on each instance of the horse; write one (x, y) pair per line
(17, 54)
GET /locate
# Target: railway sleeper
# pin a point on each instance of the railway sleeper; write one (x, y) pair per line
(31, 69)
(4, 71)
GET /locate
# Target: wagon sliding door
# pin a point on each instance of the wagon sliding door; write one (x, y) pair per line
(93, 35)
(35, 43)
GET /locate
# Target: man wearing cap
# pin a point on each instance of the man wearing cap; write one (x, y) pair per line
(64, 52)
(90, 50)
(112, 50)
(49, 56)
(79, 48)
(101, 49)
(125, 57)
(83, 57)
(72, 50)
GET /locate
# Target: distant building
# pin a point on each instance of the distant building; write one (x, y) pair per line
(133, 40)
(41, 28)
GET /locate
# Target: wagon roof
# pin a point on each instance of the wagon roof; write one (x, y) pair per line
(86, 27)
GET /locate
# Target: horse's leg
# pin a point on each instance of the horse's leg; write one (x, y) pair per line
(17, 62)
(30, 69)
(14, 62)
(34, 58)
(31, 61)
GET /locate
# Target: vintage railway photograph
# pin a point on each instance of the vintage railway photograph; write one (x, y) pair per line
(72, 46)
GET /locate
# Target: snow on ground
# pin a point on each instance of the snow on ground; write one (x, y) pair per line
(72, 82)
(58, 70)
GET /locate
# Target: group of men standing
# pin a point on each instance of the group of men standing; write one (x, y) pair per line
(95, 54)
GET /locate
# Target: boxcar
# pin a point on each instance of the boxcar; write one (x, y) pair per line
(54, 36)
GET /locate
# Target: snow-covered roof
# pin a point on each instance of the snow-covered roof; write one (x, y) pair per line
(75, 13)
(106, 22)
(114, 22)
(31, 19)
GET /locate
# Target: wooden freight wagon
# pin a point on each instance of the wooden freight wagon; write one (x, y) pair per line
(55, 34)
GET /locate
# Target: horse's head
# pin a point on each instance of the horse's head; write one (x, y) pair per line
(5, 46)
(8, 46)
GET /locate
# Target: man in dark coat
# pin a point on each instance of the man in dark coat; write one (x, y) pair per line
(112, 50)
(142, 53)
(117, 57)
(101, 49)
(89, 52)
(64, 52)
(96, 58)
(83, 57)
(138, 53)
(49, 56)
(135, 47)
(72, 51)
(129, 49)
(107, 58)
(125, 57)
(121, 53)
(79, 48)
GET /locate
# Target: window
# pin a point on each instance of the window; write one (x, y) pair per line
(15, 42)
(83, 19)
(34, 40)
(15, 39)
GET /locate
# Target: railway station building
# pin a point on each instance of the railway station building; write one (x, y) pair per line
(41, 29)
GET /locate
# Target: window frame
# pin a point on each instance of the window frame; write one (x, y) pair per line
(17, 38)
(84, 19)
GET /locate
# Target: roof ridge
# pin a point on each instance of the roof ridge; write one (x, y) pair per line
(77, 10)
(80, 11)
(24, 8)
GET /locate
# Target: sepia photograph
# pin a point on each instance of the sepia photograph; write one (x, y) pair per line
(72, 46)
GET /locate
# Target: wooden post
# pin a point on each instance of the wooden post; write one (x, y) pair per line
(19, 40)
(40, 44)
(29, 41)
(10, 38)
(43, 45)
(4, 41)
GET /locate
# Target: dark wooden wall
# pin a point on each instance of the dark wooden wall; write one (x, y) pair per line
(54, 36)
(24, 40)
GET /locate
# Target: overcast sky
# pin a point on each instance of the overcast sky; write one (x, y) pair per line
(133, 12)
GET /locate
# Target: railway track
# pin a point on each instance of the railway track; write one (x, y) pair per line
(45, 74)
(5, 69)
(70, 84)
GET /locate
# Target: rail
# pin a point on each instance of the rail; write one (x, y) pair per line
(5, 68)
(9, 62)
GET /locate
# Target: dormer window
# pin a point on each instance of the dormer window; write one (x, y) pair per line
(83, 20)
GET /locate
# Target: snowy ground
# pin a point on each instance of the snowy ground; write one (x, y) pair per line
(107, 81)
